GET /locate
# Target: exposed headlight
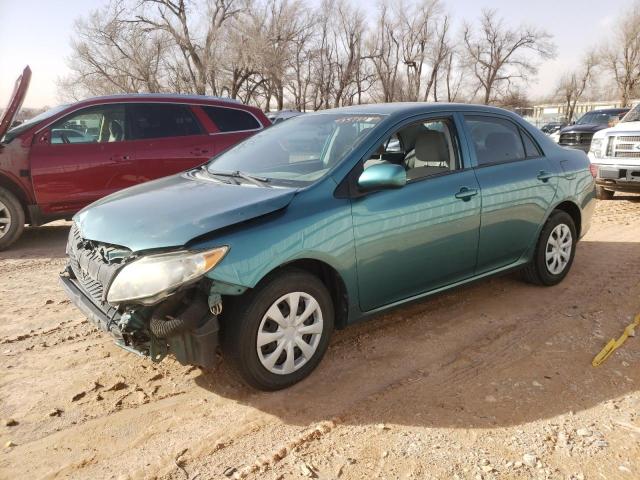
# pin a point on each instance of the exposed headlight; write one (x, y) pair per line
(151, 277)
(596, 147)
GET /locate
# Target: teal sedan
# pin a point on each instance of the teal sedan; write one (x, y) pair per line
(322, 221)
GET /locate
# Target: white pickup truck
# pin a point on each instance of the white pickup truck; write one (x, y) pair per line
(615, 157)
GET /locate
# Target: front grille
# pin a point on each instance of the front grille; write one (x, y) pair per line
(624, 146)
(627, 154)
(610, 142)
(575, 139)
(91, 269)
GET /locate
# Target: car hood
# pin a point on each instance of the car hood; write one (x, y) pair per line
(586, 128)
(623, 127)
(15, 101)
(172, 211)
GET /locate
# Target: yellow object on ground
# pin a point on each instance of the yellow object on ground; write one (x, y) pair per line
(611, 347)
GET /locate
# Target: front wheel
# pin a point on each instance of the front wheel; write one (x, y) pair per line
(603, 194)
(554, 252)
(277, 333)
(11, 218)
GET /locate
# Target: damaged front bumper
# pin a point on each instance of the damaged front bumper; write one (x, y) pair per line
(190, 330)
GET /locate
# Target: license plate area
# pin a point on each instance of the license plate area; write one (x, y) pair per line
(633, 175)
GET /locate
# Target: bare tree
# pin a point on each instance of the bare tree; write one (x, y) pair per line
(573, 85)
(497, 54)
(323, 58)
(175, 18)
(425, 45)
(277, 53)
(348, 38)
(385, 53)
(301, 61)
(113, 56)
(622, 57)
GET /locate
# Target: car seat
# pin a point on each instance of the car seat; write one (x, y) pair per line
(116, 132)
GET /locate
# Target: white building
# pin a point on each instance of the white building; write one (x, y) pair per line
(556, 112)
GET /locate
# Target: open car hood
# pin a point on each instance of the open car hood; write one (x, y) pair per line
(15, 101)
(174, 210)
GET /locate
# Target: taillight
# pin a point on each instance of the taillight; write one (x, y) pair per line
(593, 169)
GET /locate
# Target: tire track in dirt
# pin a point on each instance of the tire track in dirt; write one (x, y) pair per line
(490, 351)
(444, 342)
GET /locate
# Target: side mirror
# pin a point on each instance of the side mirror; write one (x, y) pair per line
(43, 137)
(383, 176)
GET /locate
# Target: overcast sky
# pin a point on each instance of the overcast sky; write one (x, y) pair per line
(38, 32)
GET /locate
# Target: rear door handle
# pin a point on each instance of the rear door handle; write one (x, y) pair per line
(199, 151)
(120, 158)
(544, 176)
(466, 193)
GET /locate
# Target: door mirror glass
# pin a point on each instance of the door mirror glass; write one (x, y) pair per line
(42, 138)
(383, 176)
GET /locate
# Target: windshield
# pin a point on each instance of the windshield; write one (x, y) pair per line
(23, 127)
(633, 115)
(597, 118)
(298, 151)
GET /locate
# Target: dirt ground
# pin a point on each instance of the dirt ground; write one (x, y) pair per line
(492, 380)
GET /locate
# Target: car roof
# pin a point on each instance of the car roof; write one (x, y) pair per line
(167, 97)
(610, 110)
(404, 108)
(147, 96)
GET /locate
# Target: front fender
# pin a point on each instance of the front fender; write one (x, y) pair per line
(314, 226)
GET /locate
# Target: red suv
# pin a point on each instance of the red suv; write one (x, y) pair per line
(62, 160)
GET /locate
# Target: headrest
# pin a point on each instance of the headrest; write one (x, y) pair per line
(431, 147)
(115, 128)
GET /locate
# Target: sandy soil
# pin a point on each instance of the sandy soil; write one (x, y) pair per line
(489, 381)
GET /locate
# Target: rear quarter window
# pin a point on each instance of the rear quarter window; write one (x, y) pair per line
(530, 147)
(231, 119)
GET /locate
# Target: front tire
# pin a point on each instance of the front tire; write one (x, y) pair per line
(11, 218)
(604, 194)
(276, 334)
(554, 252)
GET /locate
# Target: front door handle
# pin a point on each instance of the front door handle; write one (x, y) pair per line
(544, 176)
(120, 158)
(466, 193)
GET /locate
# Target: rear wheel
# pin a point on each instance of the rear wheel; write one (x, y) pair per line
(277, 333)
(11, 218)
(554, 252)
(603, 194)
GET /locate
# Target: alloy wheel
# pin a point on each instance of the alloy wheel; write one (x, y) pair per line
(5, 219)
(558, 250)
(289, 333)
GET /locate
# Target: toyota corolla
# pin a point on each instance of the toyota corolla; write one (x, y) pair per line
(322, 221)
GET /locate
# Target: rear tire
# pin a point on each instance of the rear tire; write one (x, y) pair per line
(604, 194)
(11, 218)
(261, 323)
(554, 251)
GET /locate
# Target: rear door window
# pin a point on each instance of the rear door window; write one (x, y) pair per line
(160, 120)
(495, 140)
(231, 119)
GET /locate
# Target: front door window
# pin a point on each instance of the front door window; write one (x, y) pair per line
(98, 124)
